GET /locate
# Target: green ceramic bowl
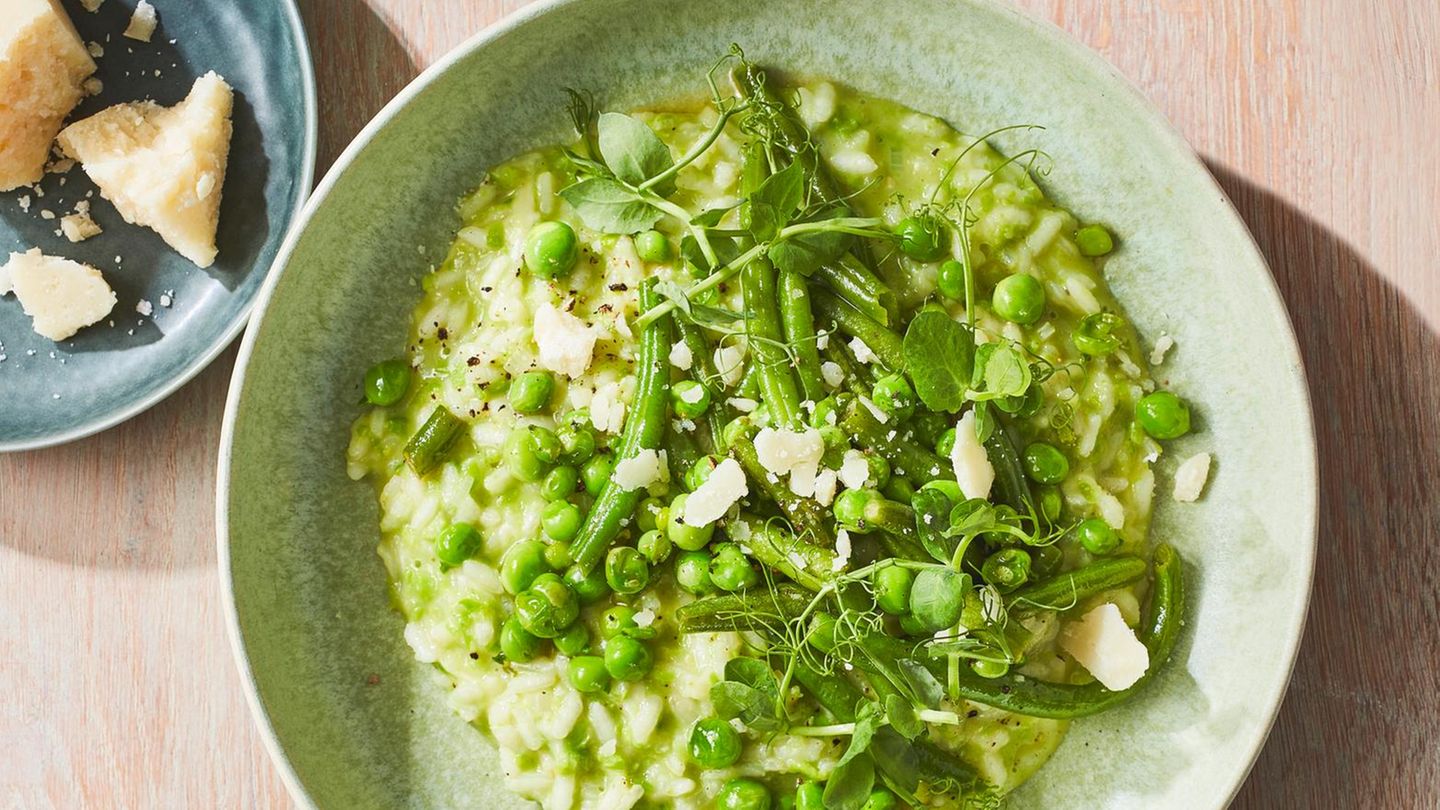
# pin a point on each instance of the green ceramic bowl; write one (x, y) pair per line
(354, 722)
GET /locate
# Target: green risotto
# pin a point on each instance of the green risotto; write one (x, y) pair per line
(787, 450)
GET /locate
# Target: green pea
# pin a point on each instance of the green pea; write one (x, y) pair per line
(945, 443)
(627, 659)
(951, 280)
(386, 382)
(587, 673)
(1096, 335)
(743, 794)
(893, 395)
(589, 588)
(850, 506)
(574, 641)
(881, 799)
(1096, 537)
(1051, 503)
(1045, 463)
(530, 392)
(689, 399)
(1019, 298)
(531, 450)
(619, 620)
(1163, 415)
(730, 570)
(653, 246)
(626, 571)
(596, 473)
(557, 556)
(1046, 560)
(1006, 569)
(516, 643)
(652, 514)
(551, 249)
(654, 546)
(989, 669)
(548, 607)
(692, 572)
(1094, 240)
(936, 598)
(829, 410)
(521, 564)
(810, 796)
(700, 471)
(560, 483)
(458, 543)
(688, 538)
(714, 743)
(561, 521)
(892, 589)
(921, 238)
(577, 443)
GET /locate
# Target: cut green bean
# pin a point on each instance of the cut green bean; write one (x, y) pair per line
(427, 448)
(767, 338)
(799, 323)
(906, 458)
(644, 428)
(766, 610)
(702, 370)
(1065, 590)
(885, 344)
(806, 564)
(809, 518)
(861, 288)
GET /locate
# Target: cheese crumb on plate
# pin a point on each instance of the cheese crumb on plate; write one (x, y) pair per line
(60, 295)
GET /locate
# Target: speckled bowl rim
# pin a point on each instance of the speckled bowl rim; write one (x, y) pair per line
(1043, 30)
(202, 361)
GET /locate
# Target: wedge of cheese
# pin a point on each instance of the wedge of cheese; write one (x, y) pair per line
(60, 295)
(43, 64)
(162, 167)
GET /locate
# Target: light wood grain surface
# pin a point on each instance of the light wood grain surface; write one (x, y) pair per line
(1321, 118)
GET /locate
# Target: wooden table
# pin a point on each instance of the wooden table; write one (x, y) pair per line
(1321, 118)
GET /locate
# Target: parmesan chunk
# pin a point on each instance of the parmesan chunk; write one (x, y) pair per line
(78, 226)
(1190, 478)
(60, 295)
(162, 167)
(680, 356)
(854, 469)
(641, 470)
(730, 363)
(566, 344)
(793, 453)
(712, 499)
(607, 409)
(1107, 647)
(43, 68)
(862, 351)
(832, 373)
(142, 22)
(973, 471)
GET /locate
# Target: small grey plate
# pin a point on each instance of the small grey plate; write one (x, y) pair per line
(57, 392)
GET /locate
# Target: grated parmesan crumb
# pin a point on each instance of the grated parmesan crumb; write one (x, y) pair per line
(142, 22)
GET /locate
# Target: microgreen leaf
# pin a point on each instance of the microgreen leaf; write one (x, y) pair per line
(925, 685)
(985, 422)
(903, 717)
(849, 784)
(750, 693)
(774, 203)
(805, 253)
(1000, 371)
(672, 291)
(939, 354)
(607, 205)
(932, 520)
(710, 217)
(868, 718)
(725, 249)
(632, 150)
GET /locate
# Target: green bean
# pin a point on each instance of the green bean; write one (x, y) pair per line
(1064, 590)
(790, 133)
(644, 427)
(855, 376)
(702, 370)
(908, 459)
(777, 383)
(427, 448)
(884, 343)
(807, 516)
(799, 323)
(752, 610)
(861, 288)
(808, 565)
(1011, 485)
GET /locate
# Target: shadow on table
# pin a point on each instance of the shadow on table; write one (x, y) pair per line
(1358, 726)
